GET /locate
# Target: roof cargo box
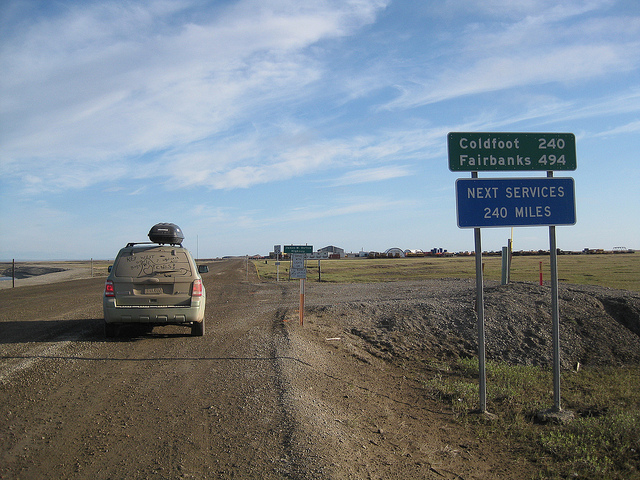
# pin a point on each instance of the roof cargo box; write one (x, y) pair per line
(166, 233)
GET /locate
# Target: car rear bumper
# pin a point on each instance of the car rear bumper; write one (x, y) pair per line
(158, 315)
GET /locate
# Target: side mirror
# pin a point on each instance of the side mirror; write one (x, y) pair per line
(109, 268)
(203, 269)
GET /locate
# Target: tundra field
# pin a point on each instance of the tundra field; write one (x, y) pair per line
(620, 271)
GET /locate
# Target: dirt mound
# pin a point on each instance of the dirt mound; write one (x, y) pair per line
(598, 326)
(23, 272)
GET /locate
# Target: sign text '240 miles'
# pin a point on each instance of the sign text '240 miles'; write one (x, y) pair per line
(515, 202)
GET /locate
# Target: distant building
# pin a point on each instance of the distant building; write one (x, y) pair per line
(394, 252)
(332, 252)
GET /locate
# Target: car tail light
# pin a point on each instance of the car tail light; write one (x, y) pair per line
(197, 289)
(109, 290)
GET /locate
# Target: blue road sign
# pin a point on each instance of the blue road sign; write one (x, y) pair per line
(515, 202)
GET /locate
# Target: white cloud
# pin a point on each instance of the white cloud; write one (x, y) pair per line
(309, 213)
(631, 127)
(372, 175)
(104, 82)
(515, 9)
(622, 103)
(563, 65)
(537, 43)
(289, 151)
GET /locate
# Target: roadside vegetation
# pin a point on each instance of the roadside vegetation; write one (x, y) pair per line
(603, 440)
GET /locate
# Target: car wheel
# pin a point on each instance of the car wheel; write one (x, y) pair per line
(110, 330)
(197, 328)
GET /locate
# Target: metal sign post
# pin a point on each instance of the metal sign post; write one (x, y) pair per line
(277, 249)
(482, 370)
(555, 314)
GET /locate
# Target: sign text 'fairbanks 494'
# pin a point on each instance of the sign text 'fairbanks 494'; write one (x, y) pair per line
(515, 202)
(490, 151)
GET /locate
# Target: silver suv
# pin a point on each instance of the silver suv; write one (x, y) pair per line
(154, 284)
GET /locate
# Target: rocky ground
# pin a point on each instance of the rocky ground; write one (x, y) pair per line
(599, 326)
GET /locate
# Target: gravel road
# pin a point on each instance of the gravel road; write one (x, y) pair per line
(260, 396)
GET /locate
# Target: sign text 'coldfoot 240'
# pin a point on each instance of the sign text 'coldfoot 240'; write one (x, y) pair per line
(490, 151)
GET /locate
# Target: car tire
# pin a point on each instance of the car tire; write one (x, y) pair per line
(110, 330)
(197, 329)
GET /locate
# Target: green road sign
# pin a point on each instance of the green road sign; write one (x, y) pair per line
(491, 151)
(298, 249)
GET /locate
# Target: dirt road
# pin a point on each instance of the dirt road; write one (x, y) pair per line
(257, 397)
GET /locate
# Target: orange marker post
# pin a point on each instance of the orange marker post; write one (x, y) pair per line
(301, 301)
(540, 273)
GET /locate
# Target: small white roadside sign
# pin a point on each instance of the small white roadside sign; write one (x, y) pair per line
(298, 269)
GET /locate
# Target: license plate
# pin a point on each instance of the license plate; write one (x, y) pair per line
(154, 290)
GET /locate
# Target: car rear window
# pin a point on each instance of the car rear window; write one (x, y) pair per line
(152, 263)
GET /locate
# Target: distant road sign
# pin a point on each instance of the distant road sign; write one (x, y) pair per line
(298, 269)
(297, 261)
(298, 249)
(490, 151)
(515, 202)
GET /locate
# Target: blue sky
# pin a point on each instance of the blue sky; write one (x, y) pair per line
(253, 123)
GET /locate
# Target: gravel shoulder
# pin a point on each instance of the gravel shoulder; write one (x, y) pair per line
(358, 400)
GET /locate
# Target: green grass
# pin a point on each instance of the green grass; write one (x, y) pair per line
(608, 270)
(602, 442)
